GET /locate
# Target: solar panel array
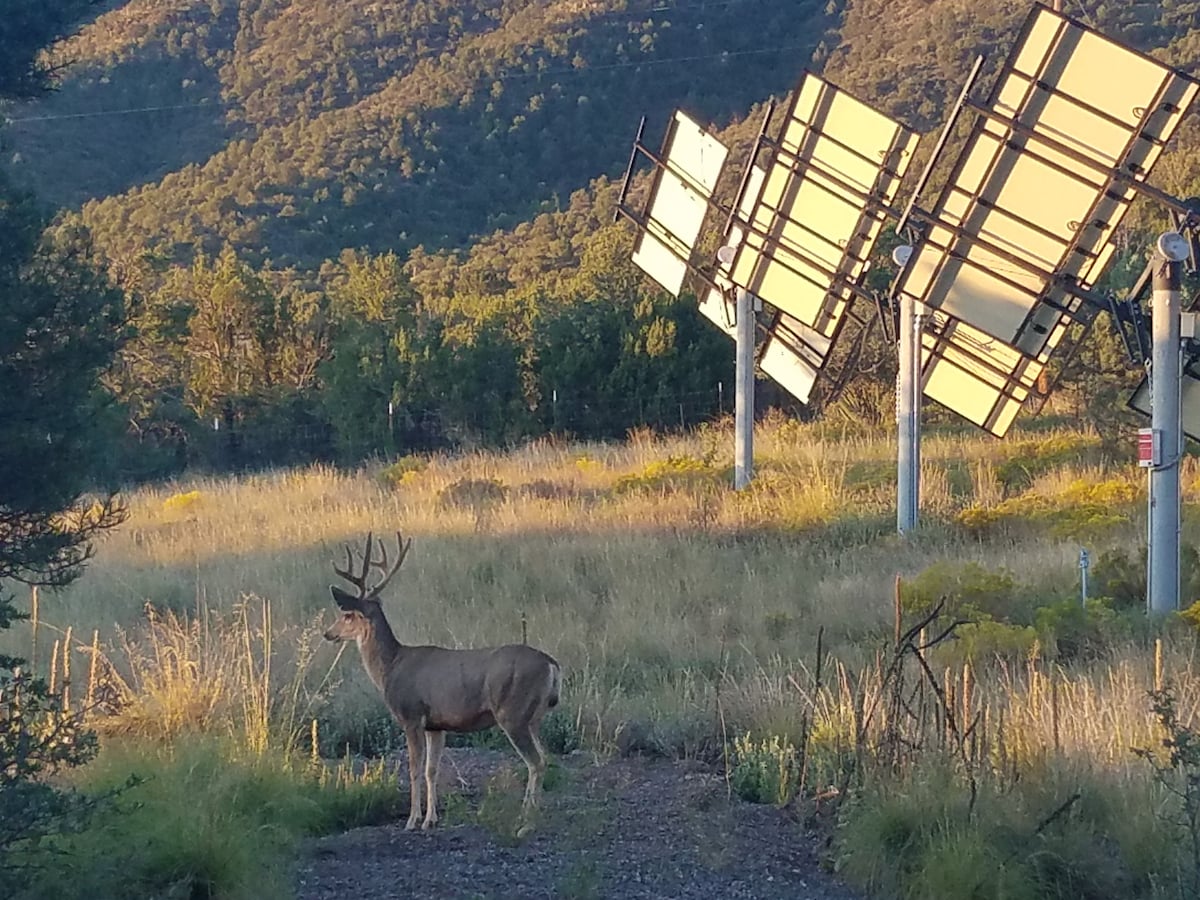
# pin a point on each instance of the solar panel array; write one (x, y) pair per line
(802, 229)
(1025, 225)
(835, 166)
(1007, 256)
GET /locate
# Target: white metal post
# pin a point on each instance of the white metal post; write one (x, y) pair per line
(908, 417)
(743, 417)
(1085, 562)
(1162, 594)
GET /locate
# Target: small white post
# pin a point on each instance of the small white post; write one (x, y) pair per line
(1085, 562)
(1162, 590)
(743, 417)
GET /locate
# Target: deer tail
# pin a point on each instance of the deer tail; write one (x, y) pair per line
(555, 685)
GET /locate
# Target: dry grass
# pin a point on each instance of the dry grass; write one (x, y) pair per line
(589, 565)
(686, 615)
(654, 591)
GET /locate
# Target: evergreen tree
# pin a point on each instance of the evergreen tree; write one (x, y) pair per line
(60, 324)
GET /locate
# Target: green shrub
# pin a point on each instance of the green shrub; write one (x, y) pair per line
(829, 753)
(1176, 766)
(1120, 575)
(969, 590)
(560, 733)
(764, 771)
(1082, 510)
(1004, 618)
(473, 493)
(1056, 834)
(780, 625)
(365, 729)
(38, 740)
(1026, 460)
(1072, 631)
(672, 473)
(544, 489)
(870, 475)
(403, 471)
(988, 639)
(207, 822)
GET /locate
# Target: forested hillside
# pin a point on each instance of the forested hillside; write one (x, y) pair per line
(320, 209)
(297, 129)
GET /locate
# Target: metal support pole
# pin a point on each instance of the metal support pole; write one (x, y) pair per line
(908, 417)
(743, 417)
(1162, 590)
(1085, 562)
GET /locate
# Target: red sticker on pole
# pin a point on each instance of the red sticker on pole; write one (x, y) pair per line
(1149, 447)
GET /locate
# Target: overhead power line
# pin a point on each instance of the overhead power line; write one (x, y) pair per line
(509, 76)
(107, 112)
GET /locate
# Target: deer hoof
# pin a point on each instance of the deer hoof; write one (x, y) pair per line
(525, 830)
(412, 824)
(428, 823)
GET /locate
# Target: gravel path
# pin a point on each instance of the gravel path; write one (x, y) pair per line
(629, 828)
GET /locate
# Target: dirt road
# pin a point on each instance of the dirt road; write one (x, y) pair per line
(628, 828)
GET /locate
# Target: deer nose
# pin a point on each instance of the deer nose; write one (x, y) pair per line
(331, 633)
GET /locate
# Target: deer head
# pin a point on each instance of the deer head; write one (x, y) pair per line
(361, 608)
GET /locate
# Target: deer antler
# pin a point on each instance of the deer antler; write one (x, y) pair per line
(359, 580)
(401, 552)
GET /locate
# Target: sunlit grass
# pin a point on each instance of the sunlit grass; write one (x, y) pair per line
(591, 564)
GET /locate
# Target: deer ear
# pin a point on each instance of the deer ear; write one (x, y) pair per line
(344, 601)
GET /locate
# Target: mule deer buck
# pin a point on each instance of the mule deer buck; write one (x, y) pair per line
(432, 690)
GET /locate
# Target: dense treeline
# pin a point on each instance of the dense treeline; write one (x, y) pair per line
(234, 365)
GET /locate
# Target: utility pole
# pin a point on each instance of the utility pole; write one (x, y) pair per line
(1162, 595)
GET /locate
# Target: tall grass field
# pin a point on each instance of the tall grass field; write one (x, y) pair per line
(946, 707)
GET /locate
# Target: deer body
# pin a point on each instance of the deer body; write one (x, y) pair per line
(431, 690)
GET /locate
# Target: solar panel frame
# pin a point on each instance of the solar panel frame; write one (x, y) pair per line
(966, 337)
(797, 356)
(1189, 399)
(1002, 382)
(1105, 181)
(678, 202)
(782, 258)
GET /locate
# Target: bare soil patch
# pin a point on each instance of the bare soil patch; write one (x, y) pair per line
(628, 828)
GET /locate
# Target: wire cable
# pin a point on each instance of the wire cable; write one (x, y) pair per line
(510, 76)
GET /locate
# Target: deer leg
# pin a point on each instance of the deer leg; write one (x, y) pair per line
(434, 742)
(527, 745)
(415, 738)
(535, 728)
